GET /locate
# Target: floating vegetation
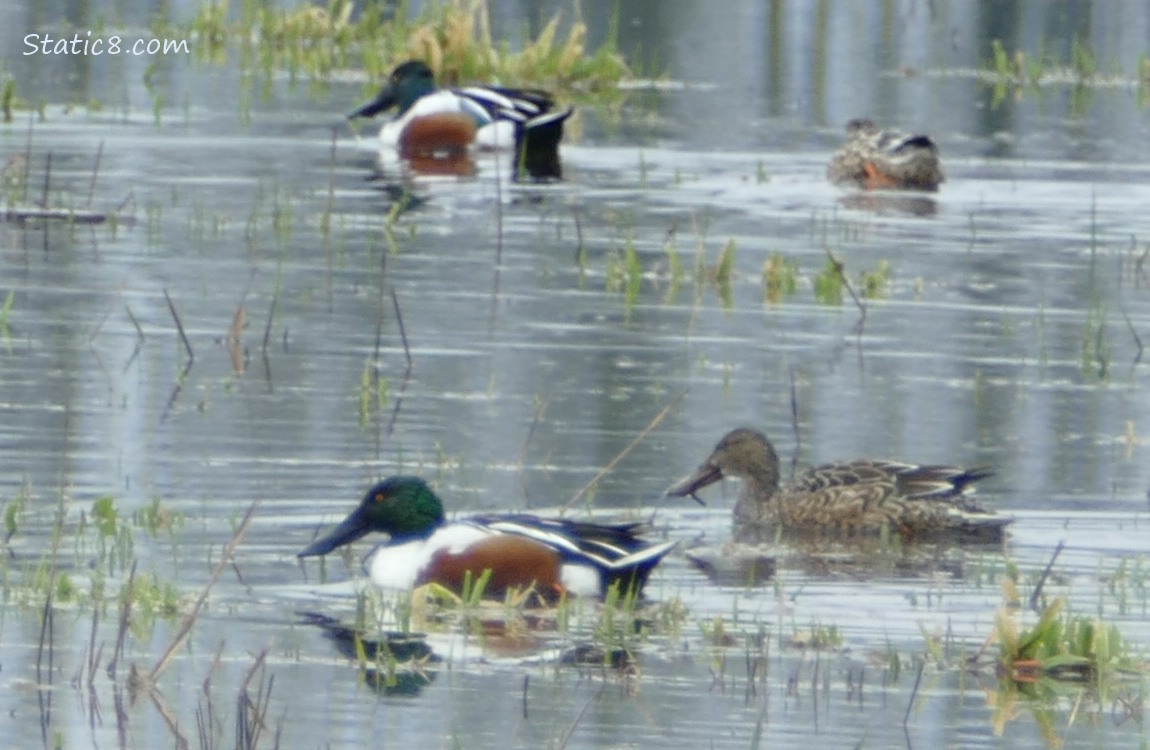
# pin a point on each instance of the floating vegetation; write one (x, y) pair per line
(454, 37)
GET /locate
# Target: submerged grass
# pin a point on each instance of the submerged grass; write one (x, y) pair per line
(102, 554)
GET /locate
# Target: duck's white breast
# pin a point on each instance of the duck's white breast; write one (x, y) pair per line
(436, 103)
(397, 566)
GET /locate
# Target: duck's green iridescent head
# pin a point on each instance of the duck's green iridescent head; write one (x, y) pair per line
(404, 507)
(407, 83)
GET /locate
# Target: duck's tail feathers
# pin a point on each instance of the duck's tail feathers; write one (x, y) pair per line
(510, 104)
(938, 482)
(630, 572)
(537, 146)
(913, 142)
(642, 559)
(546, 130)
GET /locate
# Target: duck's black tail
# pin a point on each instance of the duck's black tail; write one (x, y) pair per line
(537, 146)
(631, 571)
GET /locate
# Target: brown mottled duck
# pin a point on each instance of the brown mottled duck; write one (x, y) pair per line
(857, 498)
(885, 158)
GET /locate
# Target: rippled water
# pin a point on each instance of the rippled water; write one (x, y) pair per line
(1009, 334)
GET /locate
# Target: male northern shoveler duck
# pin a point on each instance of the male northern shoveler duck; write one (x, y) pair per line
(877, 158)
(856, 498)
(431, 121)
(520, 550)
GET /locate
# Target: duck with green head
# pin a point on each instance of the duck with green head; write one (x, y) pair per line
(861, 497)
(431, 121)
(556, 556)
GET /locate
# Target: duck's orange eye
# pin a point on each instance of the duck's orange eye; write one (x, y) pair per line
(380, 497)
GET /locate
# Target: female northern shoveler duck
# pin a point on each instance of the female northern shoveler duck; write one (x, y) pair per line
(520, 550)
(875, 158)
(432, 121)
(855, 498)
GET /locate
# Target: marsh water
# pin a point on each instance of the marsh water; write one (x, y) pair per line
(547, 328)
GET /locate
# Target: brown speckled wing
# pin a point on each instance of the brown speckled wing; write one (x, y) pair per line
(842, 507)
(852, 474)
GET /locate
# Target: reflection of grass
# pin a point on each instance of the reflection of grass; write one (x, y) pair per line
(675, 272)
(625, 272)
(724, 271)
(373, 394)
(8, 98)
(5, 313)
(779, 276)
(13, 512)
(874, 283)
(719, 275)
(1095, 350)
